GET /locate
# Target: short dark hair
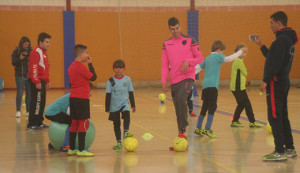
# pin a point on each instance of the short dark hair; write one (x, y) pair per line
(280, 16)
(42, 36)
(173, 21)
(79, 48)
(218, 44)
(119, 64)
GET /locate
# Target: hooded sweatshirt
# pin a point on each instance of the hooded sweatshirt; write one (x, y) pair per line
(279, 56)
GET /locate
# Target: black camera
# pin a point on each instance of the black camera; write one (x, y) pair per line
(25, 52)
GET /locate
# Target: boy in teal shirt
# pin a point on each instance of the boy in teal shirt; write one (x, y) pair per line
(238, 88)
(118, 91)
(210, 86)
(59, 111)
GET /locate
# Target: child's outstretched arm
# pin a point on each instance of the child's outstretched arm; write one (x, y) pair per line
(233, 56)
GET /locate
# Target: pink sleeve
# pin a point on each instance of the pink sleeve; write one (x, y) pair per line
(164, 66)
(198, 57)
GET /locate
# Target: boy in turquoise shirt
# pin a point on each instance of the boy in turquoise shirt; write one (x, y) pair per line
(118, 91)
(59, 111)
(210, 86)
(238, 88)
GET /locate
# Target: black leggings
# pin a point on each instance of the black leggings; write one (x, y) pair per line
(243, 102)
(117, 123)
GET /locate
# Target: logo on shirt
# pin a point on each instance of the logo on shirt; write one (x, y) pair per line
(170, 44)
(292, 50)
(125, 84)
(184, 42)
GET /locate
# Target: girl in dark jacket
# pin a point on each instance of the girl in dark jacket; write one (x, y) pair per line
(19, 59)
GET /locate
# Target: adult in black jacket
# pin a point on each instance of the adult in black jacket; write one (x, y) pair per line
(276, 83)
(19, 59)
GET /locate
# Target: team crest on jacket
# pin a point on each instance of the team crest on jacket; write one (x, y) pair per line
(184, 42)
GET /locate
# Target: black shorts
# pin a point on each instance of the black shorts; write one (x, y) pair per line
(79, 108)
(209, 97)
(61, 117)
(113, 116)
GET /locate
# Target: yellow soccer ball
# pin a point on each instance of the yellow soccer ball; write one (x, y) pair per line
(130, 144)
(269, 128)
(180, 144)
(162, 97)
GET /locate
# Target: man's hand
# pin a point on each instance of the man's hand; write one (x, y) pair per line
(263, 87)
(38, 86)
(134, 109)
(185, 67)
(165, 87)
(48, 86)
(89, 60)
(258, 40)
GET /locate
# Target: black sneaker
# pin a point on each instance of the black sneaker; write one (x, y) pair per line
(50, 146)
(44, 126)
(34, 127)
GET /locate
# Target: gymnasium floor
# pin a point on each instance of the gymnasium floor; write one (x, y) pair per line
(235, 149)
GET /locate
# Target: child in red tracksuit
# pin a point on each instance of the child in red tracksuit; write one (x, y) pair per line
(38, 78)
(79, 77)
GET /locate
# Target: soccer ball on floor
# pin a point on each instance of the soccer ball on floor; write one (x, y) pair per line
(130, 144)
(162, 97)
(180, 144)
(269, 128)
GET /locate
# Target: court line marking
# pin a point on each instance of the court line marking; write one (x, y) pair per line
(195, 152)
(297, 131)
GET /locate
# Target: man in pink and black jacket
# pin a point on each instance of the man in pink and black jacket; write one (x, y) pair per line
(180, 54)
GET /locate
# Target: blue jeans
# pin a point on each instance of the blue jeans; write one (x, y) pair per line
(21, 83)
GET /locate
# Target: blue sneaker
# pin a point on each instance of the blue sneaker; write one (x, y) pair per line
(34, 127)
(44, 126)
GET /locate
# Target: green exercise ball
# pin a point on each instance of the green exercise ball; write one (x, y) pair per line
(56, 134)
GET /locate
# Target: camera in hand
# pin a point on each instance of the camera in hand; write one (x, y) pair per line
(25, 52)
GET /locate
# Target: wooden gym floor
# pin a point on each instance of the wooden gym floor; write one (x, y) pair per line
(235, 149)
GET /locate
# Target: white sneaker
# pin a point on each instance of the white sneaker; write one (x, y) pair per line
(18, 114)
(27, 114)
